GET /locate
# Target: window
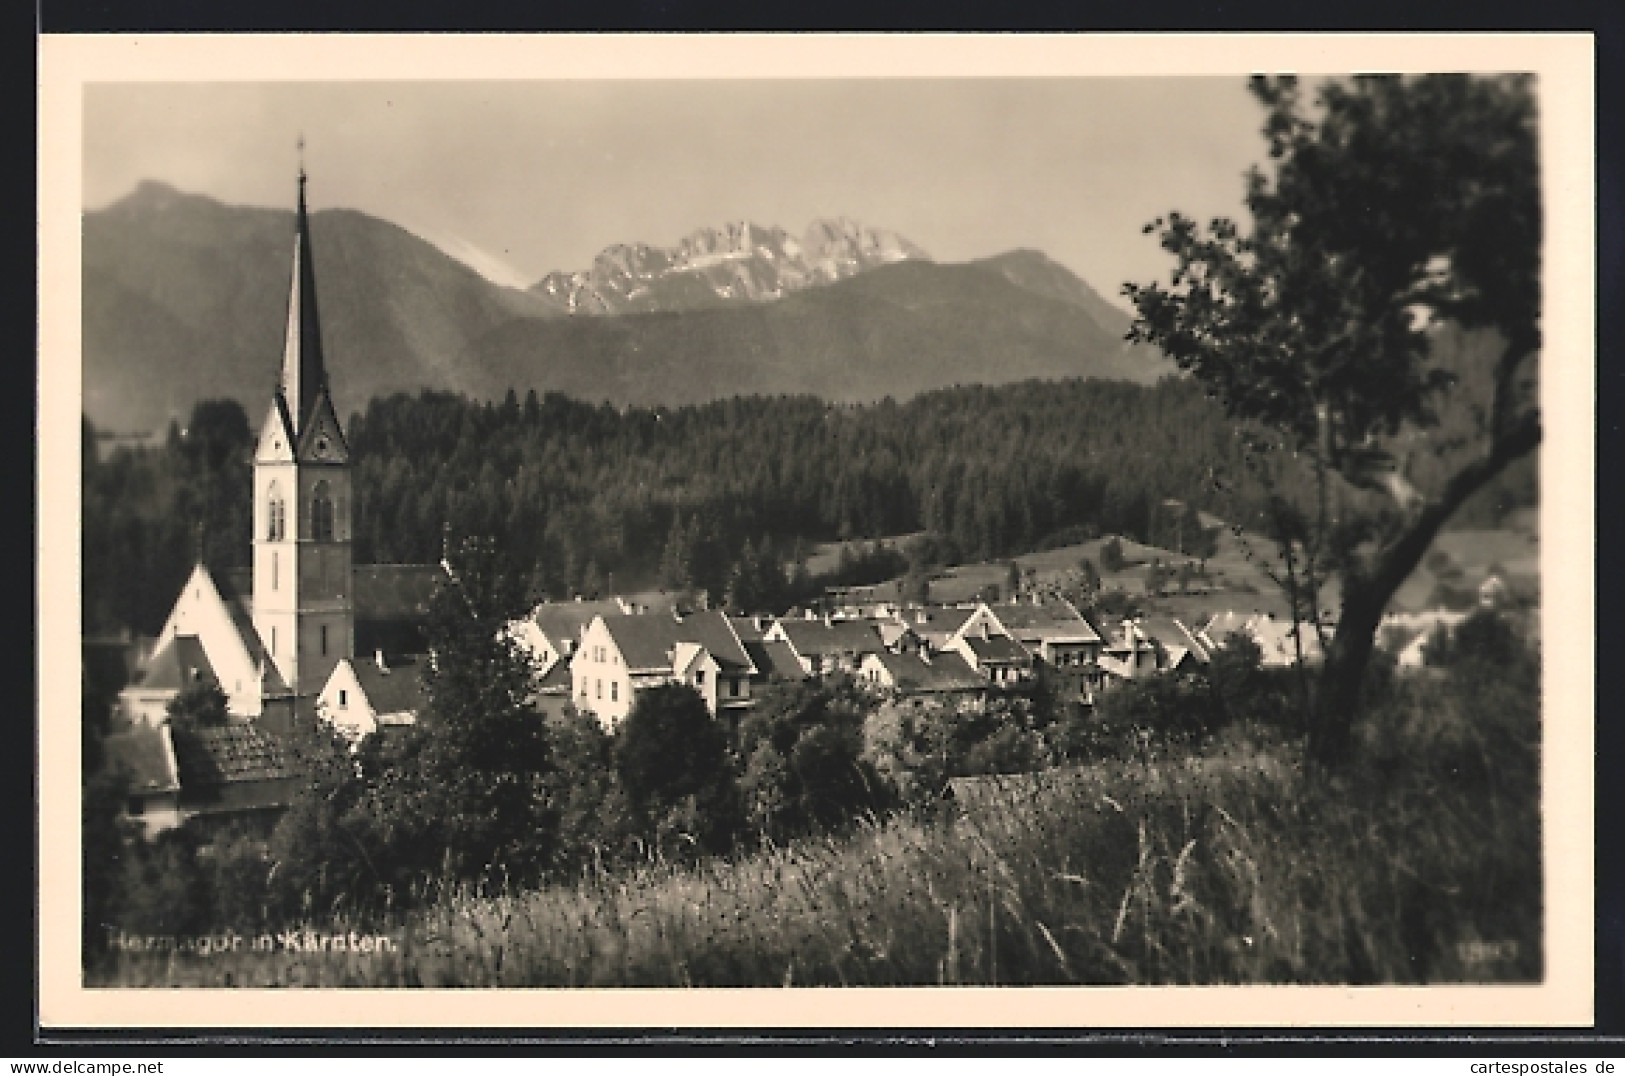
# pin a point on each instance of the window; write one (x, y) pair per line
(276, 513)
(274, 567)
(324, 640)
(583, 688)
(614, 691)
(135, 805)
(321, 513)
(273, 641)
(699, 677)
(598, 689)
(733, 688)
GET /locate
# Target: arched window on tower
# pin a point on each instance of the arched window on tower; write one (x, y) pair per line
(321, 513)
(276, 514)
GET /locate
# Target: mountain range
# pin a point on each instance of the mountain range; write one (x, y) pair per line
(184, 298)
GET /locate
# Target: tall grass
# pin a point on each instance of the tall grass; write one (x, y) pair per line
(1232, 866)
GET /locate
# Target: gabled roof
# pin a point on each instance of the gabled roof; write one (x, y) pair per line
(912, 674)
(228, 754)
(892, 631)
(556, 679)
(234, 585)
(399, 690)
(686, 656)
(836, 637)
(321, 438)
(1174, 635)
(745, 627)
(564, 622)
(177, 665)
(1052, 619)
(997, 649)
(647, 641)
(773, 660)
(712, 630)
(939, 619)
(145, 753)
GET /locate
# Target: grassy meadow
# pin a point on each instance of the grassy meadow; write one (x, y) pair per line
(1228, 866)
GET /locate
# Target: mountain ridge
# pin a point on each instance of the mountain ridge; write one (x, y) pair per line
(184, 299)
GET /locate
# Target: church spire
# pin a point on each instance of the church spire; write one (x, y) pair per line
(304, 375)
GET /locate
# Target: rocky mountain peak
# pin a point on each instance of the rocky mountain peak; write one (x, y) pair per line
(740, 261)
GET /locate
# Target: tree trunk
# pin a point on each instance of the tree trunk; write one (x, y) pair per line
(1364, 599)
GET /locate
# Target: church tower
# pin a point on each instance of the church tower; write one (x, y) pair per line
(302, 605)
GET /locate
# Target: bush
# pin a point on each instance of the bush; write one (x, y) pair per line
(673, 762)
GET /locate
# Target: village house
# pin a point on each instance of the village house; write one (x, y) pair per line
(936, 625)
(364, 697)
(1277, 642)
(208, 775)
(1146, 646)
(623, 654)
(999, 658)
(826, 646)
(1048, 626)
(921, 677)
(147, 756)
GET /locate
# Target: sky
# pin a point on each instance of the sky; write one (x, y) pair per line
(522, 178)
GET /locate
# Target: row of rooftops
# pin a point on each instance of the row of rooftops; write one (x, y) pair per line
(1005, 633)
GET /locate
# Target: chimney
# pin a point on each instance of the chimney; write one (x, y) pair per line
(378, 657)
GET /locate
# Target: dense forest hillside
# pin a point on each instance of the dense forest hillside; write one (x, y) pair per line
(585, 497)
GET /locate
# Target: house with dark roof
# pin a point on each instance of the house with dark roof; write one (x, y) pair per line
(1048, 626)
(553, 630)
(1144, 646)
(232, 772)
(211, 774)
(999, 658)
(921, 676)
(935, 625)
(364, 696)
(146, 756)
(623, 654)
(824, 646)
(775, 662)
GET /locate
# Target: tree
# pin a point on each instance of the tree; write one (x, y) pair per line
(672, 759)
(1111, 555)
(481, 768)
(1399, 210)
(802, 746)
(199, 705)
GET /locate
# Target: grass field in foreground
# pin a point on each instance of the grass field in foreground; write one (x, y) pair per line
(1226, 868)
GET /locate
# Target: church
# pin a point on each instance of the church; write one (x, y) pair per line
(272, 635)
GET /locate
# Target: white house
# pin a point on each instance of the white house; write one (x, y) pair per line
(623, 654)
(363, 695)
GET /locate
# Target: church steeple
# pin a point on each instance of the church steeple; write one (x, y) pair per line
(304, 374)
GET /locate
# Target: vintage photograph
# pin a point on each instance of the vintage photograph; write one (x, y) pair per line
(813, 532)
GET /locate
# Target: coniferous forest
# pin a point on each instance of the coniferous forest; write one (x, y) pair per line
(588, 499)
